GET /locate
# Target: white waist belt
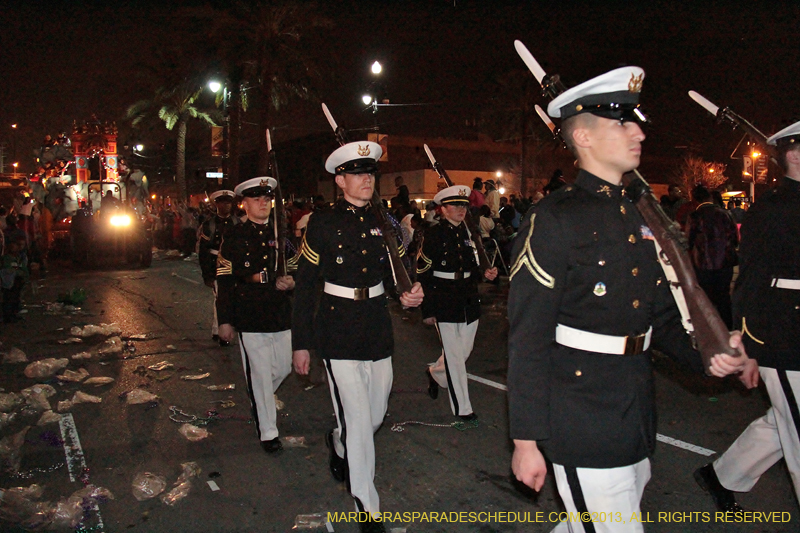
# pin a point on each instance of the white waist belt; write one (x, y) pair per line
(596, 342)
(451, 275)
(354, 293)
(782, 283)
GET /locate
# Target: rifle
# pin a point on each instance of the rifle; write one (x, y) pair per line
(707, 328)
(726, 114)
(399, 271)
(280, 211)
(483, 259)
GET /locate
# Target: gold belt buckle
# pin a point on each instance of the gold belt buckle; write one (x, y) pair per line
(458, 275)
(263, 278)
(361, 294)
(634, 345)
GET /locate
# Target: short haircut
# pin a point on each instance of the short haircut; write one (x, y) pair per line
(568, 127)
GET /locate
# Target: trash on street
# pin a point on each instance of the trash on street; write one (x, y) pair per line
(147, 485)
(183, 485)
(193, 433)
(14, 355)
(45, 368)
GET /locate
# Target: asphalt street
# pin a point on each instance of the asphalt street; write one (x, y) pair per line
(429, 466)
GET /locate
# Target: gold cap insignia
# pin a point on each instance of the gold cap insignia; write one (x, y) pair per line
(635, 83)
(462, 192)
(363, 151)
(264, 183)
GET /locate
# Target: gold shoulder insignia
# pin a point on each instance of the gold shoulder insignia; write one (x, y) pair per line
(425, 260)
(747, 331)
(401, 249)
(527, 260)
(308, 253)
(224, 267)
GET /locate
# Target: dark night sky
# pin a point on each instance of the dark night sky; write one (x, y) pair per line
(62, 61)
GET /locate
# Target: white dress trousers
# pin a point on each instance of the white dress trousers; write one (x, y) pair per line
(360, 394)
(450, 370)
(767, 439)
(267, 360)
(602, 490)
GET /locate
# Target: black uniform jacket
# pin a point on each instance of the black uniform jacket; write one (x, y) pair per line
(585, 259)
(251, 307)
(343, 246)
(448, 248)
(770, 249)
(212, 233)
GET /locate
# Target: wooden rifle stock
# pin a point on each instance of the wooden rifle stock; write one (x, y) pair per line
(401, 277)
(280, 211)
(710, 332)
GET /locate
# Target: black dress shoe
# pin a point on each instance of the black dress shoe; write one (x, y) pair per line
(224, 343)
(433, 387)
(468, 418)
(215, 338)
(371, 526)
(272, 446)
(707, 478)
(337, 464)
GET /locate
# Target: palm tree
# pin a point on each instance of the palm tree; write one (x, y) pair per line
(260, 45)
(174, 106)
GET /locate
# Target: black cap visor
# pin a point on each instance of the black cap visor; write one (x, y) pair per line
(621, 112)
(786, 141)
(256, 192)
(366, 165)
(457, 201)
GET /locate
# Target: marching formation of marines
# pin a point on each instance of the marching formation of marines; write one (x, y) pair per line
(588, 303)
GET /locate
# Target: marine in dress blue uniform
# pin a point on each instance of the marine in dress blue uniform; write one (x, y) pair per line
(209, 240)
(254, 300)
(341, 312)
(448, 269)
(766, 304)
(587, 302)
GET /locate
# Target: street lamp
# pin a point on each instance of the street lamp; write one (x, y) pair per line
(15, 165)
(14, 150)
(376, 68)
(138, 148)
(367, 99)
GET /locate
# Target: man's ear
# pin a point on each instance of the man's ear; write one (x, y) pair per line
(340, 181)
(581, 137)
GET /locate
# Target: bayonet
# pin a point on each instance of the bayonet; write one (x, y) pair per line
(551, 85)
(726, 114)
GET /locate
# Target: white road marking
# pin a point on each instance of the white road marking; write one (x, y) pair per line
(661, 438)
(487, 382)
(175, 274)
(76, 461)
(684, 445)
